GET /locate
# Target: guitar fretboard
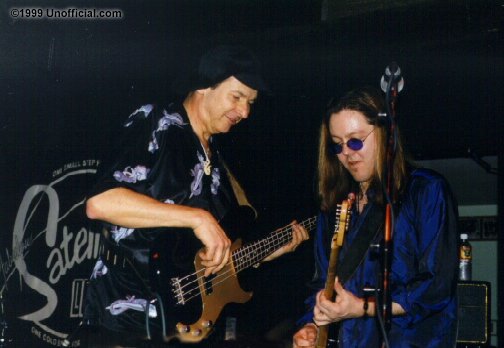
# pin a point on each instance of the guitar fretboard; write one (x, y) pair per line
(253, 253)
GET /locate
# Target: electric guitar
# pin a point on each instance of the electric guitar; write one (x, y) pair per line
(193, 302)
(342, 220)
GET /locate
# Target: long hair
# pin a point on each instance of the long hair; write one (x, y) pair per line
(334, 181)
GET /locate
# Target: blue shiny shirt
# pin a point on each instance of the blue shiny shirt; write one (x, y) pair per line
(423, 271)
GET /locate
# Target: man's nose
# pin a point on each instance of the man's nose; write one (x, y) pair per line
(345, 149)
(243, 109)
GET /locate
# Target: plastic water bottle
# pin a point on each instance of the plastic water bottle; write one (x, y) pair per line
(465, 258)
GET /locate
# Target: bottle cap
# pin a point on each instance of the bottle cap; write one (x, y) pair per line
(463, 236)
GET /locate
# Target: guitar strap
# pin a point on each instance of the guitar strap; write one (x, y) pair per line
(358, 250)
(239, 192)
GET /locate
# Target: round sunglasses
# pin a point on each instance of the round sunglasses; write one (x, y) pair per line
(353, 144)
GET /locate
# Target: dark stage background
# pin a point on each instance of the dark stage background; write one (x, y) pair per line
(66, 86)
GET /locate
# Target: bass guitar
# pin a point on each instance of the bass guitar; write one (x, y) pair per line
(194, 302)
(343, 213)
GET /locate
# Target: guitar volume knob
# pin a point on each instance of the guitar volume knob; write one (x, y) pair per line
(207, 324)
(183, 328)
(196, 332)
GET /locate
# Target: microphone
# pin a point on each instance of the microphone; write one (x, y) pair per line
(392, 74)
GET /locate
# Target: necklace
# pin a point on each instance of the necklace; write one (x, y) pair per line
(207, 167)
(361, 198)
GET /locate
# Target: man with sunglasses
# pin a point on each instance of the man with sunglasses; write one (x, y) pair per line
(423, 275)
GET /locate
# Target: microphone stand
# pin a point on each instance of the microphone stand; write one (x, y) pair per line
(391, 88)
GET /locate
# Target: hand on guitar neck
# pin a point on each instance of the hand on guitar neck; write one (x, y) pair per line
(345, 306)
(299, 235)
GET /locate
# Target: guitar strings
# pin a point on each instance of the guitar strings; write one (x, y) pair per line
(276, 237)
(223, 276)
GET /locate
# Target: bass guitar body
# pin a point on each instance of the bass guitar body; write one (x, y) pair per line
(191, 303)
